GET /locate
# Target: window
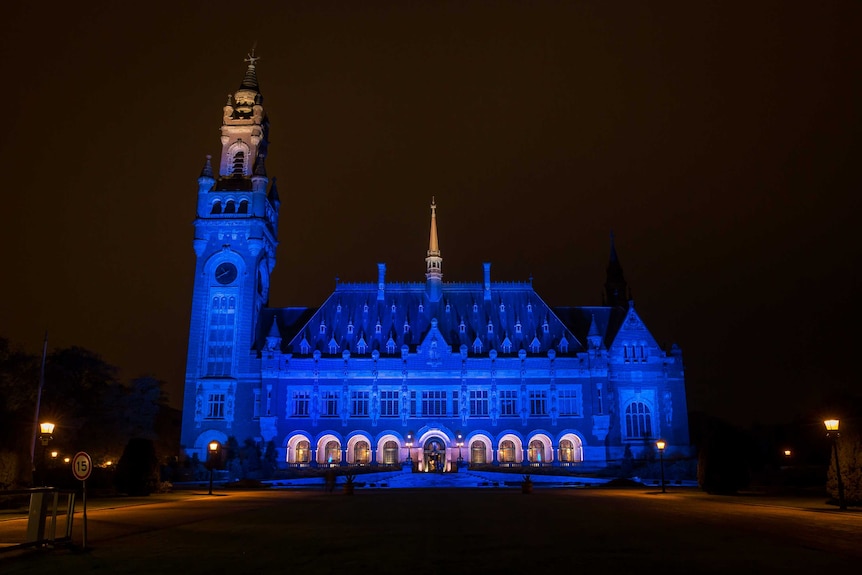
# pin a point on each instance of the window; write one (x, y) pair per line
(216, 207)
(390, 346)
(394, 309)
(406, 327)
(517, 327)
(243, 207)
(477, 345)
(535, 345)
(490, 326)
(530, 307)
(502, 307)
(538, 402)
(322, 326)
(365, 308)
(338, 308)
(230, 207)
(462, 327)
(329, 400)
(567, 399)
(599, 398)
(333, 347)
(545, 327)
(350, 327)
(456, 404)
(433, 403)
(301, 401)
(256, 409)
(421, 308)
(448, 308)
(378, 328)
(477, 452)
(567, 451)
(508, 403)
(506, 345)
(359, 402)
(215, 405)
(303, 452)
(304, 346)
(536, 451)
(475, 308)
(361, 346)
(478, 402)
(412, 404)
(221, 334)
(507, 451)
(332, 452)
(390, 453)
(238, 164)
(638, 422)
(389, 401)
(361, 453)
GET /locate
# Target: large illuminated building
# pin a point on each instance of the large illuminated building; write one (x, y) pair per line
(428, 372)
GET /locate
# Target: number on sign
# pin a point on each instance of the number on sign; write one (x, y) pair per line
(81, 466)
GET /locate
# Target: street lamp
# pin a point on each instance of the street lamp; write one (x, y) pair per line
(660, 445)
(409, 444)
(833, 434)
(460, 441)
(46, 434)
(211, 456)
(787, 453)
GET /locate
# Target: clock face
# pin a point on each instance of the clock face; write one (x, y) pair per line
(225, 273)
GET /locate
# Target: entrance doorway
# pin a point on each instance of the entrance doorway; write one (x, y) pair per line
(435, 455)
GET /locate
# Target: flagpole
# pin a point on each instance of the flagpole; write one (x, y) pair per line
(38, 405)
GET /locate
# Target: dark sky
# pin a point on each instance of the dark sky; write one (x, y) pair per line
(719, 141)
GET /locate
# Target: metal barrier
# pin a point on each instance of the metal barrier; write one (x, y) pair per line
(45, 503)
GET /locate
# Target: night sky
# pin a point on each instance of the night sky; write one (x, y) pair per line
(719, 141)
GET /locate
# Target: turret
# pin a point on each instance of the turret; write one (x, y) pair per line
(434, 262)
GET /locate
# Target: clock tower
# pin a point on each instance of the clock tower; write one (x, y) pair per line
(235, 236)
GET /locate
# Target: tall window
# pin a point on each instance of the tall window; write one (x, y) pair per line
(508, 402)
(332, 452)
(215, 405)
(538, 402)
(570, 451)
(238, 164)
(599, 398)
(303, 453)
(567, 399)
(433, 403)
(536, 451)
(361, 453)
(638, 422)
(389, 400)
(390, 453)
(329, 399)
(478, 403)
(300, 403)
(456, 403)
(359, 401)
(477, 452)
(507, 451)
(221, 333)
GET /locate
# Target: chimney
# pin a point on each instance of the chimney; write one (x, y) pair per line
(381, 279)
(487, 268)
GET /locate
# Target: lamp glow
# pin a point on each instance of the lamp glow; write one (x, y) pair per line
(213, 446)
(831, 424)
(660, 444)
(54, 454)
(46, 428)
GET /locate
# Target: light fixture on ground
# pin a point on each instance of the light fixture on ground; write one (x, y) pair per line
(833, 434)
(660, 445)
(212, 454)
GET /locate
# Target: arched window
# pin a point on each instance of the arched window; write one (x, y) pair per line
(303, 453)
(238, 164)
(361, 453)
(216, 207)
(536, 451)
(507, 451)
(332, 452)
(243, 207)
(390, 453)
(477, 452)
(567, 451)
(638, 422)
(230, 207)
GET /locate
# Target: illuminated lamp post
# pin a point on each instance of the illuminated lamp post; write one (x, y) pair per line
(787, 453)
(46, 434)
(460, 441)
(409, 444)
(833, 434)
(660, 445)
(211, 457)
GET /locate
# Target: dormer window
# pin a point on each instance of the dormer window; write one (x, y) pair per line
(506, 345)
(338, 308)
(462, 328)
(365, 308)
(394, 308)
(361, 346)
(322, 326)
(390, 346)
(304, 347)
(535, 346)
(490, 327)
(421, 308)
(502, 307)
(333, 347)
(545, 327)
(477, 346)
(350, 328)
(378, 327)
(530, 307)
(406, 327)
(475, 308)
(448, 308)
(564, 345)
(517, 327)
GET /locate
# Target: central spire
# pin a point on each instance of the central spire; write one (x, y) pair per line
(434, 263)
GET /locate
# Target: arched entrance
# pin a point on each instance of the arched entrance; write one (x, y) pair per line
(434, 455)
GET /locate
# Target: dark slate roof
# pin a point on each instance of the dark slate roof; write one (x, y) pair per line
(326, 329)
(288, 322)
(578, 320)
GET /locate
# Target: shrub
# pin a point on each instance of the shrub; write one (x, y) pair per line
(138, 469)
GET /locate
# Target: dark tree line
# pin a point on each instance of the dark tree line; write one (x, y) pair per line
(92, 409)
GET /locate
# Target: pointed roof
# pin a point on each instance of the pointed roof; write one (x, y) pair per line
(249, 81)
(207, 170)
(433, 246)
(615, 282)
(273, 195)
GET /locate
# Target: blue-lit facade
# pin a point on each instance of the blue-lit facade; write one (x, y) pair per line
(381, 373)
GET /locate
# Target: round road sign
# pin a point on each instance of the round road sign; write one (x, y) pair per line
(82, 465)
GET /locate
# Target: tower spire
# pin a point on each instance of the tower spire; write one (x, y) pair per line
(616, 288)
(434, 262)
